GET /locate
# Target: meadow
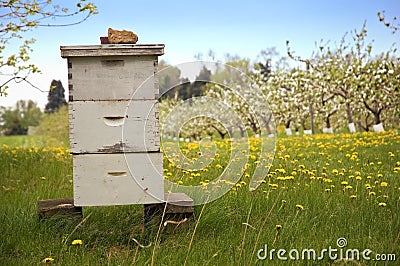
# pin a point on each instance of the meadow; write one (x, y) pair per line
(320, 188)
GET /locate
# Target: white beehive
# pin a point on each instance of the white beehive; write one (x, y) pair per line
(116, 149)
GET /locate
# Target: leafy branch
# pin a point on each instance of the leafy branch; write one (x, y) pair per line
(20, 16)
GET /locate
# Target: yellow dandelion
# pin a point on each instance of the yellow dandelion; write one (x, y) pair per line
(344, 183)
(77, 242)
(353, 196)
(278, 227)
(300, 207)
(372, 193)
(47, 260)
(384, 184)
(382, 204)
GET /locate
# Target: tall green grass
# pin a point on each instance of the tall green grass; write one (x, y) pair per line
(309, 171)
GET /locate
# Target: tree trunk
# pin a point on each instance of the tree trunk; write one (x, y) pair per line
(311, 108)
(222, 134)
(328, 122)
(349, 113)
(241, 132)
(377, 118)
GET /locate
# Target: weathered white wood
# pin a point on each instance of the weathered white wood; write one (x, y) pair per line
(112, 78)
(114, 126)
(117, 159)
(112, 50)
(118, 179)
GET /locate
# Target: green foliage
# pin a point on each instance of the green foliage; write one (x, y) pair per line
(54, 126)
(17, 120)
(19, 16)
(56, 97)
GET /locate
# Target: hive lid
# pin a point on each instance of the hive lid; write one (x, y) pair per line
(112, 50)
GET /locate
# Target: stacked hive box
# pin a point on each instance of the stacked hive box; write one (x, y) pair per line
(113, 119)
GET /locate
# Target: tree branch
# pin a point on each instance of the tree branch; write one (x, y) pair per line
(22, 79)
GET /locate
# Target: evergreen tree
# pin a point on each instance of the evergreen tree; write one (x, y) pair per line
(56, 97)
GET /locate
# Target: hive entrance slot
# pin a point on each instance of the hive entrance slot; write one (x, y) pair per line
(117, 173)
(114, 121)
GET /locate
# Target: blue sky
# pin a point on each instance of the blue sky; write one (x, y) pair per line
(187, 28)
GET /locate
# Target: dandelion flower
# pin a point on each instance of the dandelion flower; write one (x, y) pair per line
(278, 227)
(382, 204)
(77, 242)
(353, 196)
(300, 207)
(47, 260)
(384, 184)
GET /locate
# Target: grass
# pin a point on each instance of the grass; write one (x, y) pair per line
(319, 188)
